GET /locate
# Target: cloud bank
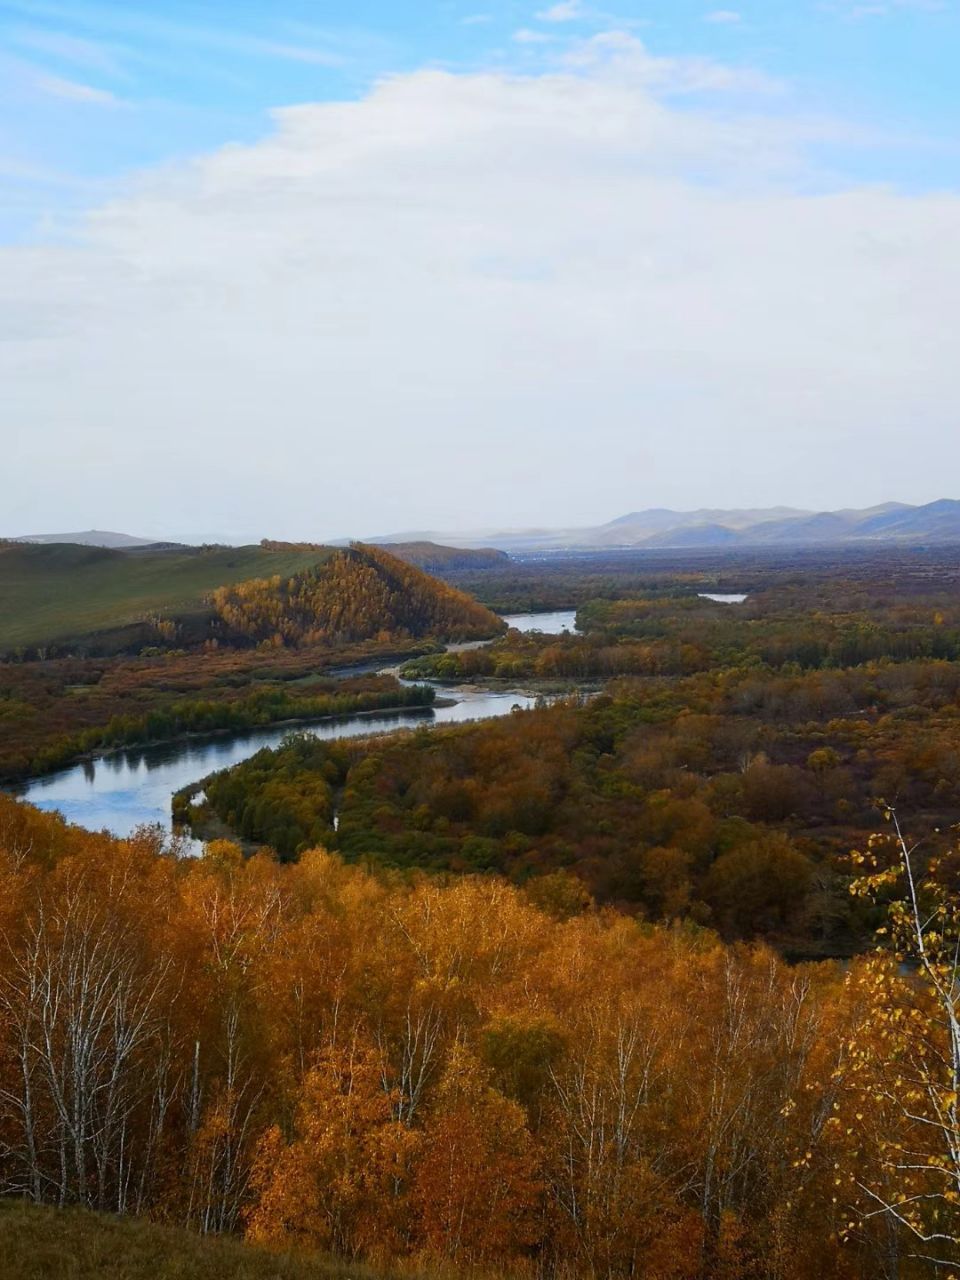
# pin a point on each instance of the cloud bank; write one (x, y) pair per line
(478, 299)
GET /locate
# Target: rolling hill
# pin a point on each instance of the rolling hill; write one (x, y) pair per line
(60, 594)
(64, 598)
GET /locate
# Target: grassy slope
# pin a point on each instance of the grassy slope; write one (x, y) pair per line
(71, 1244)
(62, 591)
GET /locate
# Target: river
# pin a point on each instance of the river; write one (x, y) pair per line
(551, 624)
(123, 790)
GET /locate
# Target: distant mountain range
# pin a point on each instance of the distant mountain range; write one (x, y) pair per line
(659, 528)
(432, 558)
(656, 529)
(91, 538)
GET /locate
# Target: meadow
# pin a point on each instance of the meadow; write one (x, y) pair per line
(60, 594)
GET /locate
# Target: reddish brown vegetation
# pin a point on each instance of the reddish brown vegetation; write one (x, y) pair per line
(412, 1070)
(52, 711)
(358, 594)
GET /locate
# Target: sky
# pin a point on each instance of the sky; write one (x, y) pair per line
(348, 268)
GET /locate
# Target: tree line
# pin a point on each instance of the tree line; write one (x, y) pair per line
(677, 635)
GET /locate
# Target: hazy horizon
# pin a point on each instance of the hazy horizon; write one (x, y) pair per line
(471, 535)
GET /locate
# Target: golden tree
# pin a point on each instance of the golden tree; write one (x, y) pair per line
(904, 1067)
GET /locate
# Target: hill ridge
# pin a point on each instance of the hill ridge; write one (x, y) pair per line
(936, 522)
(91, 538)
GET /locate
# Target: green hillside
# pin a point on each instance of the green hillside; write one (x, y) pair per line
(68, 599)
(55, 594)
(72, 1244)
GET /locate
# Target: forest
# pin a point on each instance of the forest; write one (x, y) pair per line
(734, 803)
(644, 982)
(422, 1071)
(698, 761)
(355, 594)
(655, 622)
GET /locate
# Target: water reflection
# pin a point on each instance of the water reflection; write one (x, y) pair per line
(127, 789)
(550, 624)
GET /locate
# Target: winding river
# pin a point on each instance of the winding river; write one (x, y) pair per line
(123, 790)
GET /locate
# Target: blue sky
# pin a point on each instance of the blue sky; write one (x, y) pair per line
(319, 270)
(94, 90)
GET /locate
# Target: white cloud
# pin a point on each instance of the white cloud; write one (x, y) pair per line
(724, 17)
(484, 299)
(565, 11)
(623, 55)
(74, 91)
(526, 36)
(881, 8)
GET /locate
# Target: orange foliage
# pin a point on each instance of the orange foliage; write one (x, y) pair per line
(402, 1069)
(358, 594)
(477, 1187)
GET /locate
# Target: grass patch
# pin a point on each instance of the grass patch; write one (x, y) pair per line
(73, 1244)
(61, 592)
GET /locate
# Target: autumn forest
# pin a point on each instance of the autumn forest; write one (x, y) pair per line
(655, 979)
